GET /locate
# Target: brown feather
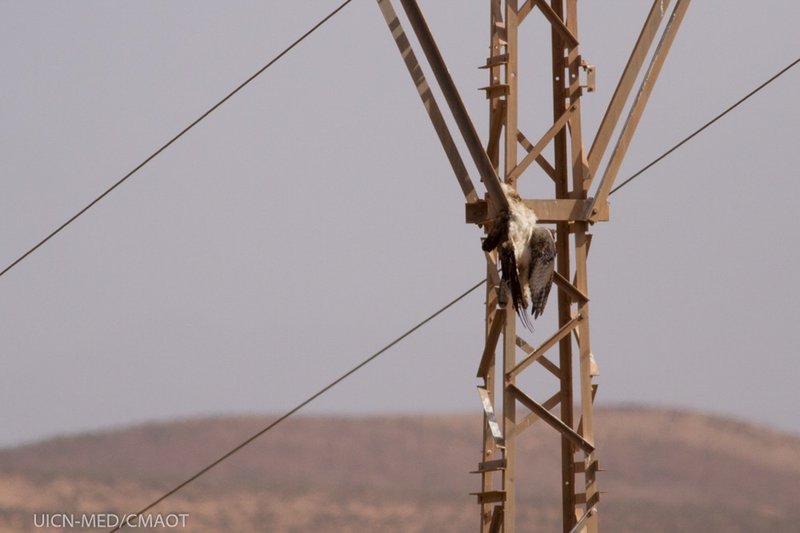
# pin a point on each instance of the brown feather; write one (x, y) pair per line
(543, 253)
(508, 265)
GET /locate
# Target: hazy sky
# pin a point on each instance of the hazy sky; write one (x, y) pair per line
(314, 217)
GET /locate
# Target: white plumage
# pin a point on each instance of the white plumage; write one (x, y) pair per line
(527, 255)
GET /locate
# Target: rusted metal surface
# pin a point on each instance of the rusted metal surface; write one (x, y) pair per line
(547, 211)
(488, 409)
(537, 149)
(543, 163)
(534, 356)
(582, 522)
(463, 121)
(509, 332)
(551, 419)
(557, 22)
(646, 88)
(491, 496)
(572, 291)
(626, 82)
(494, 316)
(532, 418)
(549, 365)
(562, 167)
(490, 466)
(428, 100)
(491, 516)
(487, 359)
(571, 169)
(497, 519)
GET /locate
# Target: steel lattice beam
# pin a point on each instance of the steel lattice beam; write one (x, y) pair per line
(571, 209)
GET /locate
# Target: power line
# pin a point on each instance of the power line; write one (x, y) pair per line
(707, 124)
(306, 401)
(175, 138)
(431, 317)
(398, 339)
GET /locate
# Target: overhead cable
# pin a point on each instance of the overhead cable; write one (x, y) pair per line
(305, 402)
(175, 138)
(704, 126)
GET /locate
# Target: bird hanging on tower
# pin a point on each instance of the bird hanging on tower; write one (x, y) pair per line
(527, 254)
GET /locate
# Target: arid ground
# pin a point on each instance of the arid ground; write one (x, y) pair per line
(664, 471)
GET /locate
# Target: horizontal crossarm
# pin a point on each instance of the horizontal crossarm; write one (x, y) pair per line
(547, 211)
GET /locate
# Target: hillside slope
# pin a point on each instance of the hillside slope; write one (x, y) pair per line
(665, 472)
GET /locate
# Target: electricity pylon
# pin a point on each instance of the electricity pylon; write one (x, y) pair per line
(571, 209)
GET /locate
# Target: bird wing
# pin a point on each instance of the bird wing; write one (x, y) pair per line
(543, 254)
(508, 265)
(498, 233)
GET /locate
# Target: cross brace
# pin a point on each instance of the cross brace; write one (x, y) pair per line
(572, 209)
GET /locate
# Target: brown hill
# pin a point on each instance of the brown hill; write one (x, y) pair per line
(666, 472)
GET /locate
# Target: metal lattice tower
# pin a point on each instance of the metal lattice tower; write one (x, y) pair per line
(571, 209)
